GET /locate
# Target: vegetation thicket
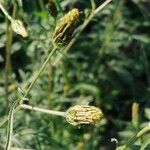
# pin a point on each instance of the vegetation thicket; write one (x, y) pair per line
(74, 75)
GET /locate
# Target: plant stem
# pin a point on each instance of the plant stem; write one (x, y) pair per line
(37, 76)
(93, 5)
(52, 112)
(8, 54)
(20, 100)
(5, 12)
(102, 6)
(138, 135)
(83, 26)
(49, 88)
(14, 107)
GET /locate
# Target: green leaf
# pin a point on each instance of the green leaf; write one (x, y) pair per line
(143, 38)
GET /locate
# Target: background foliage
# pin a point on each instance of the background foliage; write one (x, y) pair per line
(108, 67)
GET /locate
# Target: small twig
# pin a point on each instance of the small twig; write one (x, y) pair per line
(52, 112)
(9, 35)
(102, 6)
(40, 71)
(10, 126)
(93, 5)
(131, 141)
(5, 12)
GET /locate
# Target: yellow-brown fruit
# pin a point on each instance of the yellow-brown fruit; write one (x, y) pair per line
(66, 26)
(83, 114)
(52, 8)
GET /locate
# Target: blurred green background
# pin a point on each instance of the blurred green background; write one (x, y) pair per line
(108, 67)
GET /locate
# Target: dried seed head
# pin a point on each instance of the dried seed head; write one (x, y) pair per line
(52, 8)
(18, 27)
(66, 26)
(83, 114)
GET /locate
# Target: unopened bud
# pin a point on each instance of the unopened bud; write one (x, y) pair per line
(83, 114)
(66, 26)
(18, 27)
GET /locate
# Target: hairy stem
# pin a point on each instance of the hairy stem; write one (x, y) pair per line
(5, 12)
(9, 40)
(52, 112)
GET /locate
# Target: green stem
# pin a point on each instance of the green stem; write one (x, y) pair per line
(14, 107)
(30, 86)
(138, 135)
(47, 111)
(5, 12)
(38, 74)
(102, 6)
(93, 5)
(10, 126)
(8, 54)
(49, 74)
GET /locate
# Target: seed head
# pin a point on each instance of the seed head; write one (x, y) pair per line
(66, 26)
(18, 27)
(83, 114)
(52, 8)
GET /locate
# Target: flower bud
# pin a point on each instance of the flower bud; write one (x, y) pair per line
(66, 26)
(83, 114)
(18, 27)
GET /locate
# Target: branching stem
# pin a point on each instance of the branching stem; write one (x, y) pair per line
(47, 111)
